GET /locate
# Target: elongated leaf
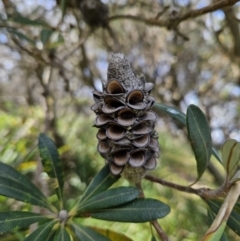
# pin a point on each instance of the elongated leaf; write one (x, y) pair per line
(172, 111)
(45, 35)
(216, 235)
(27, 21)
(112, 235)
(181, 117)
(51, 162)
(16, 190)
(21, 36)
(211, 217)
(43, 232)
(200, 137)
(233, 220)
(153, 238)
(138, 211)
(109, 198)
(87, 234)
(231, 156)
(101, 182)
(63, 235)
(10, 172)
(63, 5)
(17, 219)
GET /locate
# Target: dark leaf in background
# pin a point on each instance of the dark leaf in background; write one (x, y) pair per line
(45, 35)
(21, 36)
(19, 19)
(51, 162)
(200, 138)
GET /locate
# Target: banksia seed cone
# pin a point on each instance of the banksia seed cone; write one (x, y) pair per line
(127, 139)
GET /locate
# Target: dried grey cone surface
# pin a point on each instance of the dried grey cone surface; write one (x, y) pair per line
(127, 139)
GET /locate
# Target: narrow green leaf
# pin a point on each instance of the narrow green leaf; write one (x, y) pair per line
(63, 5)
(200, 138)
(153, 238)
(233, 221)
(87, 234)
(138, 211)
(231, 156)
(42, 232)
(172, 111)
(112, 235)
(45, 35)
(10, 172)
(101, 182)
(63, 235)
(217, 234)
(51, 162)
(109, 198)
(211, 217)
(27, 21)
(13, 220)
(21, 36)
(181, 117)
(16, 190)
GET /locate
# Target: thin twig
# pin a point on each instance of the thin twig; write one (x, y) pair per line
(159, 230)
(173, 22)
(171, 185)
(205, 193)
(162, 235)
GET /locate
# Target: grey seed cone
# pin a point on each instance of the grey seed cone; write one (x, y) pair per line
(127, 139)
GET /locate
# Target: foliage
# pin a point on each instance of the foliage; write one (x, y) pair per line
(60, 222)
(97, 201)
(54, 54)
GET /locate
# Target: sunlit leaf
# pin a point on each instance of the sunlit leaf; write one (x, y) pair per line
(21, 36)
(45, 35)
(43, 232)
(51, 162)
(112, 235)
(231, 156)
(13, 220)
(88, 234)
(233, 221)
(200, 137)
(138, 211)
(109, 198)
(181, 117)
(63, 235)
(211, 217)
(101, 182)
(14, 189)
(216, 235)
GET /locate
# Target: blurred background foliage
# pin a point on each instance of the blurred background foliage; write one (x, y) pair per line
(54, 53)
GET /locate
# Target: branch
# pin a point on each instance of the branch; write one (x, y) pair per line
(162, 235)
(172, 23)
(204, 193)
